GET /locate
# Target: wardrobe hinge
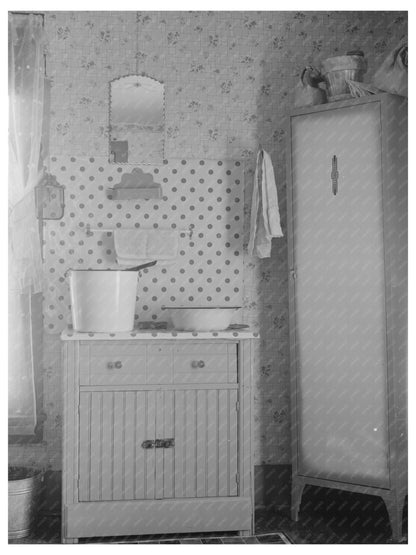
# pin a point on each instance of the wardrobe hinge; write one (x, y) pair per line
(237, 406)
(292, 273)
(237, 479)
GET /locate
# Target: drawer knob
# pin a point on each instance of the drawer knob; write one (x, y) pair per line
(197, 364)
(117, 364)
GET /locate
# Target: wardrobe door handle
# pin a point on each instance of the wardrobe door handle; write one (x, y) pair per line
(334, 175)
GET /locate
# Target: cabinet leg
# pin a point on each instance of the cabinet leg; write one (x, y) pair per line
(69, 540)
(297, 491)
(395, 506)
(244, 533)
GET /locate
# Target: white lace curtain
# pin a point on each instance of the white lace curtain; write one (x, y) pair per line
(26, 100)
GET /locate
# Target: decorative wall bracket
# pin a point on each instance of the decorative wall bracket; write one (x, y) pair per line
(50, 199)
(134, 185)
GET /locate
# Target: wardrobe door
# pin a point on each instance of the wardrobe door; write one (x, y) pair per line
(339, 295)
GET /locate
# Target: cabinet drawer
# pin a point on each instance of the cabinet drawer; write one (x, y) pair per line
(203, 348)
(207, 363)
(113, 348)
(113, 370)
(127, 363)
(112, 363)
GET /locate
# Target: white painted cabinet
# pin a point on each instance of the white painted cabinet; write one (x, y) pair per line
(157, 435)
(347, 253)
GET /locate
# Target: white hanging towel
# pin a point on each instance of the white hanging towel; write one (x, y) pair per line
(265, 216)
(137, 246)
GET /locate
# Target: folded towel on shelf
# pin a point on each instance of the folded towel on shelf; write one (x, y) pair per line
(143, 245)
(265, 216)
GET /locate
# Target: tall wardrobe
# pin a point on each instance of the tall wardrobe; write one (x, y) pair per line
(347, 231)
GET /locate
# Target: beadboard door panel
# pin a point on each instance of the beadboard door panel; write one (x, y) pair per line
(165, 457)
(113, 465)
(205, 443)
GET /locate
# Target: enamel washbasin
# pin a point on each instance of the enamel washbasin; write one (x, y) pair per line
(201, 318)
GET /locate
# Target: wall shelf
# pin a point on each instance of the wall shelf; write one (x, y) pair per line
(135, 185)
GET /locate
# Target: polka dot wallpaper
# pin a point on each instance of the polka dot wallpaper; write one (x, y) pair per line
(202, 201)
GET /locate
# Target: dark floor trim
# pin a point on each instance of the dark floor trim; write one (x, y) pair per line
(272, 486)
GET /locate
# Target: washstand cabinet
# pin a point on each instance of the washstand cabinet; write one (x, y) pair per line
(157, 433)
(347, 237)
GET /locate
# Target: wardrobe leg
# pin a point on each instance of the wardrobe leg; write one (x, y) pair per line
(395, 507)
(297, 490)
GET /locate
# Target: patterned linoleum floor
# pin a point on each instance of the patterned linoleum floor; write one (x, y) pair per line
(274, 538)
(272, 527)
(47, 530)
(326, 517)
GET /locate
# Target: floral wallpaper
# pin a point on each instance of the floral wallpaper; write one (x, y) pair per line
(229, 80)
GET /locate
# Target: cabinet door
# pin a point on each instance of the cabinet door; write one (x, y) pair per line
(113, 465)
(204, 460)
(340, 296)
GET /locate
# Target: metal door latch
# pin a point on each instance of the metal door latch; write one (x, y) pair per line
(159, 443)
(165, 443)
(148, 444)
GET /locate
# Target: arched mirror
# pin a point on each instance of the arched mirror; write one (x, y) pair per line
(137, 120)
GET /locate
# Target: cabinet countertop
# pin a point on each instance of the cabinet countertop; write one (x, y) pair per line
(152, 334)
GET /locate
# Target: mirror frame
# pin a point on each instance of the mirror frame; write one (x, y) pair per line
(151, 162)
